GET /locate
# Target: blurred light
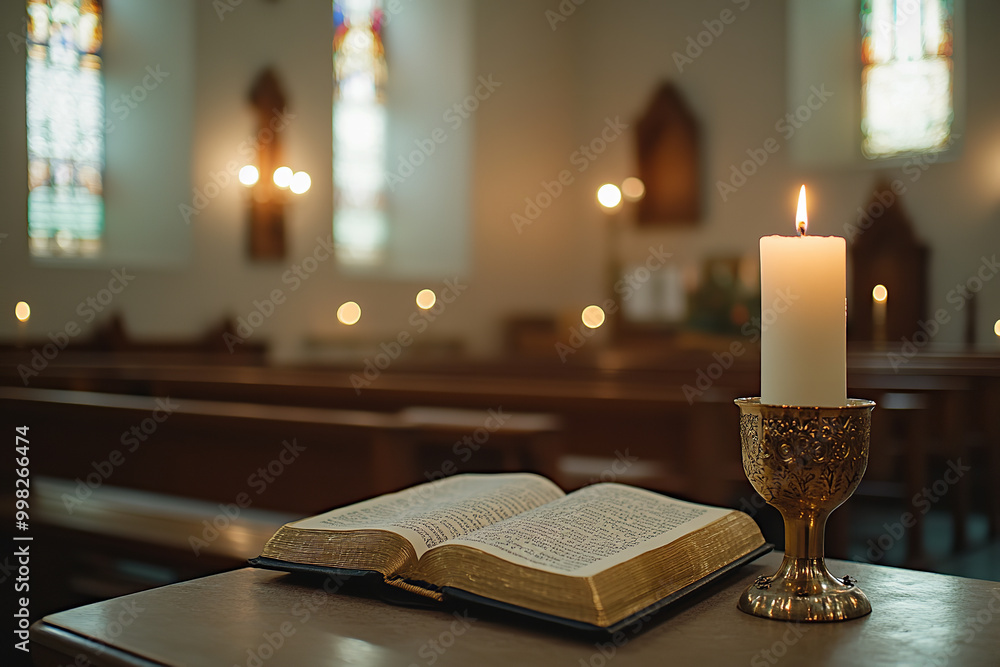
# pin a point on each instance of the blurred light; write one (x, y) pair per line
(996, 328)
(609, 195)
(300, 182)
(22, 311)
(633, 189)
(249, 175)
(880, 293)
(282, 177)
(349, 313)
(426, 298)
(592, 316)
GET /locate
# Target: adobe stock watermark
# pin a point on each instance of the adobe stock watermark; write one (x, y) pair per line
(779, 648)
(420, 321)
(271, 641)
(605, 651)
(697, 44)
(618, 467)
(626, 287)
(131, 440)
(455, 116)
(901, 14)
(706, 377)
(114, 626)
(786, 126)
(126, 103)
(258, 481)
(7, 568)
(973, 626)
(562, 12)
(87, 310)
(246, 152)
(581, 159)
(224, 7)
(263, 309)
(466, 447)
(884, 199)
(958, 297)
(19, 40)
(313, 601)
(432, 649)
(922, 502)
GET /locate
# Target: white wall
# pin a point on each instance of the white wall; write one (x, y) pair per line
(557, 88)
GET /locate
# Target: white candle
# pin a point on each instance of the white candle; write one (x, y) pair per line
(803, 286)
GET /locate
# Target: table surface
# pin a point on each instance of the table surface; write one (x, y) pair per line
(239, 617)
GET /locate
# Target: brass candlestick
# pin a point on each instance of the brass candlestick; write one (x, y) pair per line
(805, 462)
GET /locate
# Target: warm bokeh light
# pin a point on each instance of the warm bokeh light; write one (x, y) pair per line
(300, 182)
(880, 293)
(283, 177)
(592, 317)
(22, 311)
(249, 175)
(426, 298)
(609, 195)
(633, 189)
(349, 313)
(996, 328)
(801, 216)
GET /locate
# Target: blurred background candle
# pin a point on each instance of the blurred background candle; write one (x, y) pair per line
(880, 302)
(804, 318)
(22, 311)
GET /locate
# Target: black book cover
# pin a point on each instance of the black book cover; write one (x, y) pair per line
(375, 583)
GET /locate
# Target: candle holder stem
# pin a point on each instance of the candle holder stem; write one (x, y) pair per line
(805, 535)
(805, 462)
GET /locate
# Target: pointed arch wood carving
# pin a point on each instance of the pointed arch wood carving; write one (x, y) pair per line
(668, 148)
(885, 250)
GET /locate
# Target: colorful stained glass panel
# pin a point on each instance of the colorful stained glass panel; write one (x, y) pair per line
(65, 127)
(906, 86)
(360, 228)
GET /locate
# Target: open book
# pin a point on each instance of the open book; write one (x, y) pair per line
(594, 558)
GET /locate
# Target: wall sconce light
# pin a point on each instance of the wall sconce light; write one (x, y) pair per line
(633, 189)
(298, 182)
(249, 175)
(269, 179)
(609, 196)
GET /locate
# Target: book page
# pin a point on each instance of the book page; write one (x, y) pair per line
(431, 513)
(591, 529)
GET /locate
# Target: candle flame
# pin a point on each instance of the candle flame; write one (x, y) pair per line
(801, 217)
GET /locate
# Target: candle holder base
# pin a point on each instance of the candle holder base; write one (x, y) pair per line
(805, 462)
(804, 590)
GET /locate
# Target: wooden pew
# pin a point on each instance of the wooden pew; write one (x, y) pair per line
(132, 491)
(119, 541)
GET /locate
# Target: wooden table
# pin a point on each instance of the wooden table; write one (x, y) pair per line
(260, 619)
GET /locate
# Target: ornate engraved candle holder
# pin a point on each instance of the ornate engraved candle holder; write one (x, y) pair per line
(805, 462)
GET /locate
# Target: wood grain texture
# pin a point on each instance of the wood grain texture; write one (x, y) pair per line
(918, 619)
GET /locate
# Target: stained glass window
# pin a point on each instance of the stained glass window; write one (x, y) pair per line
(65, 127)
(906, 85)
(360, 229)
